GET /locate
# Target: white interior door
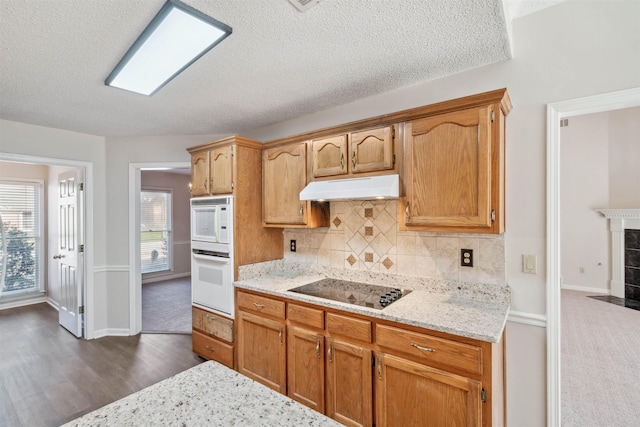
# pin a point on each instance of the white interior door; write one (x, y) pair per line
(69, 253)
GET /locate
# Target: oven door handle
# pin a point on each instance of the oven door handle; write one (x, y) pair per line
(220, 260)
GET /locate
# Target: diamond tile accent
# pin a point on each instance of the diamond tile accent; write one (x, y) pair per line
(351, 259)
(368, 212)
(387, 263)
(337, 222)
(368, 231)
(368, 257)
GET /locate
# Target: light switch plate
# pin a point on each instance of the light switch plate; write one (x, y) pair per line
(529, 264)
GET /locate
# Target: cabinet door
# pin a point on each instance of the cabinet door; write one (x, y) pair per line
(371, 150)
(411, 394)
(221, 161)
(349, 394)
(306, 367)
(285, 176)
(448, 170)
(330, 156)
(262, 350)
(200, 174)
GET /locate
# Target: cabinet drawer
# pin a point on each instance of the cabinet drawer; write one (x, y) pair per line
(264, 305)
(306, 315)
(212, 349)
(349, 327)
(212, 324)
(427, 348)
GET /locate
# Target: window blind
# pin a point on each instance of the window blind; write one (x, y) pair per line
(155, 231)
(20, 216)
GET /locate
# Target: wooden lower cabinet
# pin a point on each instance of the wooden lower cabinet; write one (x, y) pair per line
(349, 395)
(360, 370)
(412, 394)
(305, 367)
(262, 350)
(212, 336)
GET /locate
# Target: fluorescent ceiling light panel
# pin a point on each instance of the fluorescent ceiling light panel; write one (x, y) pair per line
(175, 39)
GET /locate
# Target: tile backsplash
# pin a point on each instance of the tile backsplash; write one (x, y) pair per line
(364, 235)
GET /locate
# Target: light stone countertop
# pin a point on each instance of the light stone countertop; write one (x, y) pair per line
(445, 307)
(209, 394)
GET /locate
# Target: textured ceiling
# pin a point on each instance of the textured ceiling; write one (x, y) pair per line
(278, 63)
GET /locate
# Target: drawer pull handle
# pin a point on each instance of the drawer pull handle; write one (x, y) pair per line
(353, 160)
(318, 348)
(280, 336)
(258, 305)
(329, 353)
(419, 347)
(379, 367)
(342, 161)
(209, 348)
(211, 317)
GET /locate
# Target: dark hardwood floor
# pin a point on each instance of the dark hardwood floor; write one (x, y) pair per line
(49, 377)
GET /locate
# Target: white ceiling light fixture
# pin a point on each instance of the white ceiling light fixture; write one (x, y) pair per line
(176, 37)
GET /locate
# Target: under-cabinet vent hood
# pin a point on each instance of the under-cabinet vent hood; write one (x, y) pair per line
(368, 188)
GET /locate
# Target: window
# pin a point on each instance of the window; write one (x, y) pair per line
(155, 231)
(21, 230)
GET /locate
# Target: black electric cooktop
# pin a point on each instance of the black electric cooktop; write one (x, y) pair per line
(363, 294)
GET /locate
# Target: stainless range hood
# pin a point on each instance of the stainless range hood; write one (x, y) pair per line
(368, 188)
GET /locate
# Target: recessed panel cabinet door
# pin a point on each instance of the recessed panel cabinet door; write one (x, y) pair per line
(411, 394)
(349, 391)
(371, 150)
(200, 174)
(448, 170)
(262, 350)
(284, 170)
(221, 160)
(330, 156)
(306, 367)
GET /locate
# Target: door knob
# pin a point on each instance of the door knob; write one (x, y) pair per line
(58, 256)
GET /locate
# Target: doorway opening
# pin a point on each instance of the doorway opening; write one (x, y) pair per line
(54, 252)
(555, 113)
(159, 248)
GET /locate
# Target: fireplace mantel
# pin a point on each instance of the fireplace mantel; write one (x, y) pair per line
(619, 220)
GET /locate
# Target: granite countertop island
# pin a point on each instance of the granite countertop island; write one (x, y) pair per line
(469, 310)
(209, 394)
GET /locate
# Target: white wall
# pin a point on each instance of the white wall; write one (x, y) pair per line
(38, 142)
(567, 51)
(119, 153)
(624, 159)
(180, 236)
(584, 187)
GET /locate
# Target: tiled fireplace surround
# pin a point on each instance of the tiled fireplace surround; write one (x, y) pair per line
(364, 235)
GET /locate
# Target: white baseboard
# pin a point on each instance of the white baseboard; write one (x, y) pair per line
(111, 332)
(528, 318)
(165, 277)
(53, 304)
(22, 302)
(585, 289)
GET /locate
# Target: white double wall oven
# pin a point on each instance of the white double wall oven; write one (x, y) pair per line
(212, 254)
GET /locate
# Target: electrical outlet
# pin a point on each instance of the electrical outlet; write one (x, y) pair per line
(466, 257)
(292, 245)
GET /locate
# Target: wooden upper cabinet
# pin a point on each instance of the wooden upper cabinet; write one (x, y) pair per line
(371, 150)
(200, 174)
(411, 394)
(448, 175)
(221, 170)
(284, 176)
(329, 156)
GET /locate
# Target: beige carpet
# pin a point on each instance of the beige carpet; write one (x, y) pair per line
(166, 306)
(600, 362)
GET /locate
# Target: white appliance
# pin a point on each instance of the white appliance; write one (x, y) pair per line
(367, 188)
(212, 254)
